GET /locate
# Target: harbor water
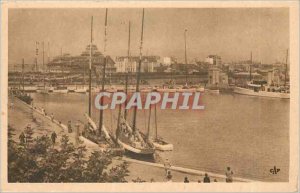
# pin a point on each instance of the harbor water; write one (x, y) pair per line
(209, 139)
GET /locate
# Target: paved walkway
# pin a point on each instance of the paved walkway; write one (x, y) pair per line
(22, 114)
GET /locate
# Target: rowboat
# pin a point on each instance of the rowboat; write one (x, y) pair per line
(162, 145)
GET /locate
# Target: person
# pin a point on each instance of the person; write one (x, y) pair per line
(12, 105)
(22, 138)
(206, 179)
(52, 117)
(43, 111)
(77, 131)
(53, 137)
(229, 174)
(186, 180)
(28, 126)
(69, 127)
(167, 166)
(169, 176)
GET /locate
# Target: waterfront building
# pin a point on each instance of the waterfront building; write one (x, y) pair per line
(213, 60)
(65, 63)
(214, 76)
(168, 61)
(125, 64)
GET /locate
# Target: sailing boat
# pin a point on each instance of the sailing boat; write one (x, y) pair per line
(128, 136)
(158, 142)
(91, 124)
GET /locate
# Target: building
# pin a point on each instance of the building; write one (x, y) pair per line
(214, 76)
(213, 60)
(125, 64)
(168, 61)
(80, 64)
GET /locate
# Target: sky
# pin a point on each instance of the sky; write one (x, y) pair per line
(231, 33)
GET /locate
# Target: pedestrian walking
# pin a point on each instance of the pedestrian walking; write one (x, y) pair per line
(53, 137)
(229, 174)
(52, 117)
(43, 111)
(11, 105)
(206, 179)
(167, 166)
(69, 127)
(22, 138)
(77, 128)
(169, 176)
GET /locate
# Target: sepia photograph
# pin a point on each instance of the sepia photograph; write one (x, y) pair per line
(173, 95)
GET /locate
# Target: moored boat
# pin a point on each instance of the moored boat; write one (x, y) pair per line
(212, 90)
(186, 89)
(133, 141)
(162, 145)
(30, 88)
(158, 142)
(60, 89)
(80, 90)
(130, 137)
(262, 91)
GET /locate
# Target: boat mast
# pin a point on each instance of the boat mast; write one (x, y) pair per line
(103, 73)
(149, 119)
(138, 73)
(48, 53)
(61, 63)
(36, 55)
(44, 65)
(155, 122)
(126, 77)
(23, 74)
(185, 56)
(286, 62)
(250, 66)
(90, 70)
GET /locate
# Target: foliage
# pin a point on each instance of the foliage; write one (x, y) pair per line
(38, 160)
(24, 97)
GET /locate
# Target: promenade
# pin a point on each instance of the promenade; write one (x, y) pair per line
(21, 115)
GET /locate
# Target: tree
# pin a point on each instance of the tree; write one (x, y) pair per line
(40, 161)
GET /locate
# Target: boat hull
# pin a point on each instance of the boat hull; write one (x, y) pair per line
(60, 91)
(80, 90)
(212, 91)
(42, 91)
(163, 147)
(136, 150)
(166, 90)
(30, 88)
(245, 91)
